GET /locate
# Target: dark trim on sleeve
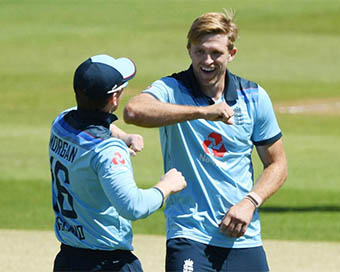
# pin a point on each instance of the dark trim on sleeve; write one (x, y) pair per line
(268, 141)
(161, 195)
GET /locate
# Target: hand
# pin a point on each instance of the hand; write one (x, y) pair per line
(175, 180)
(237, 219)
(135, 143)
(171, 182)
(219, 112)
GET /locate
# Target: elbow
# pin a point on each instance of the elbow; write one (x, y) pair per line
(284, 173)
(133, 209)
(135, 116)
(130, 114)
(136, 216)
(133, 215)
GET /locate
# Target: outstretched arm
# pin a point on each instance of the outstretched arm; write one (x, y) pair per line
(238, 218)
(146, 111)
(132, 202)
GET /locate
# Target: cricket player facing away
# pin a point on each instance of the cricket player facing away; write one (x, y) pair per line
(210, 120)
(93, 189)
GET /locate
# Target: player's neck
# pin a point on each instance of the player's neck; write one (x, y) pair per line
(214, 91)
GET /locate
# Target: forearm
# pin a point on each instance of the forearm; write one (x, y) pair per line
(135, 142)
(118, 133)
(140, 203)
(270, 181)
(130, 201)
(239, 216)
(275, 171)
(144, 110)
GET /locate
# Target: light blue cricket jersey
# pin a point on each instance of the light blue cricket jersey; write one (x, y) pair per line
(215, 158)
(93, 189)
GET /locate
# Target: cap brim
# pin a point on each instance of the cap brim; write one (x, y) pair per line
(118, 88)
(126, 67)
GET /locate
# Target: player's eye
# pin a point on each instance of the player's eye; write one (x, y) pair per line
(216, 54)
(200, 52)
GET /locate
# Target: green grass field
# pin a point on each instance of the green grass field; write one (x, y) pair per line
(289, 47)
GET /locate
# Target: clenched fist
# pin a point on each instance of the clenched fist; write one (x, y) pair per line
(171, 182)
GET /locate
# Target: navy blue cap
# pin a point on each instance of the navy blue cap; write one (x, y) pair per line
(102, 75)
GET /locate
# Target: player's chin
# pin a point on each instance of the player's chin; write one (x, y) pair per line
(208, 83)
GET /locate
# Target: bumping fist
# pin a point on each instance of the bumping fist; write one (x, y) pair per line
(175, 180)
(171, 182)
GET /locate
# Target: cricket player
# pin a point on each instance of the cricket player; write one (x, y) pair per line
(210, 120)
(94, 194)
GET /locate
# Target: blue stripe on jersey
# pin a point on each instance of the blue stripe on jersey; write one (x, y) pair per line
(249, 94)
(74, 135)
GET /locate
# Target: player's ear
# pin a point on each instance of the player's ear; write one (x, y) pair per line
(232, 54)
(188, 48)
(114, 98)
(113, 101)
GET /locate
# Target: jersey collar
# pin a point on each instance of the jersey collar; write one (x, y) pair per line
(97, 117)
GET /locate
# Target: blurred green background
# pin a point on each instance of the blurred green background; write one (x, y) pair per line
(289, 47)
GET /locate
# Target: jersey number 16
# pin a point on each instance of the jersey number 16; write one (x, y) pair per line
(61, 172)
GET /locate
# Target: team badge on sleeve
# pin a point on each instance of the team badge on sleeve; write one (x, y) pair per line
(118, 158)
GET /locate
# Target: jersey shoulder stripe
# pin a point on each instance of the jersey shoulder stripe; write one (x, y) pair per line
(85, 135)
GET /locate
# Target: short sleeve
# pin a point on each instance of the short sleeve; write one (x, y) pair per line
(160, 90)
(266, 127)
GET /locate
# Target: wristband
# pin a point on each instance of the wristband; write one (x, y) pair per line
(255, 199)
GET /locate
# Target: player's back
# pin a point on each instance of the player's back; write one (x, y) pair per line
(79, 202)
